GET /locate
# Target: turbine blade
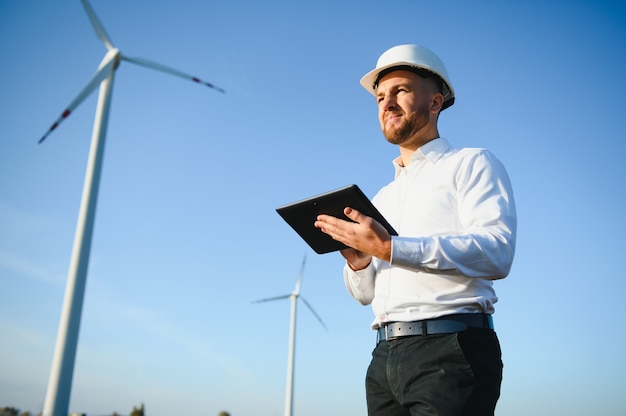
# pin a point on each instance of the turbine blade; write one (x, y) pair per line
(106, 66)
(172, 71)
(271, 299)
(314, 313)
(299, 281)
(97, 25)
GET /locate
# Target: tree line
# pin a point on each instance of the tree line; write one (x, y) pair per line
(12, 411)
(137, 411)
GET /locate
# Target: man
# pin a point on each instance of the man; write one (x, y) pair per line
(430, 287)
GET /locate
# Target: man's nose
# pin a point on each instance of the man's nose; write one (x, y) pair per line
(388, 102)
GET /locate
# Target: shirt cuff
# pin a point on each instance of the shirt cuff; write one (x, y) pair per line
(406, 252)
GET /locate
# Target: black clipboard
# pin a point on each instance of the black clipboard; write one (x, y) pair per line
(302, 214)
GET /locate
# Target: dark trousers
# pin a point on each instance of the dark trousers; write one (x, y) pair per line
(446, 375)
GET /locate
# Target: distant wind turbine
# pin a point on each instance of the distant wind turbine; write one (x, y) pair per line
(292, 336)
(60, 382)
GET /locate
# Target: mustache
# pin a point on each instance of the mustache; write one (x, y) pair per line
(393, 113)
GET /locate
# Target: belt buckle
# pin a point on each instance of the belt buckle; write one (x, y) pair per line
(382, 334)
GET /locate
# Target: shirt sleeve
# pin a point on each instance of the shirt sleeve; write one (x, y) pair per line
(360, 284)
(484, 246)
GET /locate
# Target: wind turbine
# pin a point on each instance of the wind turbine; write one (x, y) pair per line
(60, 382)
(292, 336)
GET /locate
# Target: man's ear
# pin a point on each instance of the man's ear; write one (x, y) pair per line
(436, 103)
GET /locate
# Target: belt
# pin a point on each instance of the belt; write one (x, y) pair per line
(447, 324)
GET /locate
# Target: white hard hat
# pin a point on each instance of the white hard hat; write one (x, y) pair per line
(414, 57)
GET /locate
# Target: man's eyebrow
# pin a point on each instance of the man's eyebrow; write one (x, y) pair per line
(395, 87)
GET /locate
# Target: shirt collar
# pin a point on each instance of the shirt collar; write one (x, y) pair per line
(431, 152)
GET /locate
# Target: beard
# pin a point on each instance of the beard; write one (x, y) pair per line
(411, 124)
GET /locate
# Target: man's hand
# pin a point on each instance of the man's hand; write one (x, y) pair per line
(365, 237)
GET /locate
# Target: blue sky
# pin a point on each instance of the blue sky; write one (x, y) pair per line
(186, 233)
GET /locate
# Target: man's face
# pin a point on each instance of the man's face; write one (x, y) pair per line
(404, 108)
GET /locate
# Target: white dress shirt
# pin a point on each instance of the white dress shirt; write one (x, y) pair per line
(455, 216)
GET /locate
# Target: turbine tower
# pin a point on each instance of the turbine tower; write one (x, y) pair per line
(60, 382)
(292, 336)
